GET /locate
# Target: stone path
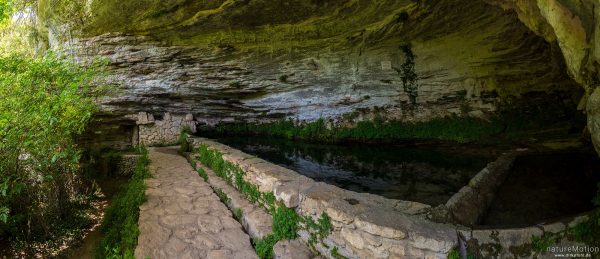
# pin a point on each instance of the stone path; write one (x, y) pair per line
(183, 218)
(255, 220)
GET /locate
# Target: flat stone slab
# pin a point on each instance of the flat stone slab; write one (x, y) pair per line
(291, 249)
(183, 218)
(255, 220)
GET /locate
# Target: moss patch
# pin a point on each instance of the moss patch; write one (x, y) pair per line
(120, 226)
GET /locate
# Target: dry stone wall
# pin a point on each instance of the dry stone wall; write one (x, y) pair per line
(371, 226)
(364, 225)
(165, 131)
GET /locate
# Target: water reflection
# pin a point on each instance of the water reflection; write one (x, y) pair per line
(418, 173)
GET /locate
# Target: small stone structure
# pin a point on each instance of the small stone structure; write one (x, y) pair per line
(151, 131)
(371, 226)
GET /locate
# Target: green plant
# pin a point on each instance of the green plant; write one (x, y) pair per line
(453, 128)
(408, 75)
(120, 227)
(588, 231)
(335, 254)
(453, 254)
(202, 173)
(222, 196)
(39, 169)
(318, 230)
(235, 84)
(264, 246)
(283, 78)
(285, 222)
(541, 243)
(183, 133)
(238, 213)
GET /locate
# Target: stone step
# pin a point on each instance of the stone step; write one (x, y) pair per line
(254, 218)
(257, 222)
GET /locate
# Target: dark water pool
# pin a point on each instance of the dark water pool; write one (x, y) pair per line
(419, 173)
(544, 188)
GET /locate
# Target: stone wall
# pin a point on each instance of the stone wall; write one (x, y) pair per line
(365, 225)
(471, 202)
(371, 226)
(125, 164)
(166, 131)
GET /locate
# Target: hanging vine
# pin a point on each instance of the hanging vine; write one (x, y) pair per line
(408, 74)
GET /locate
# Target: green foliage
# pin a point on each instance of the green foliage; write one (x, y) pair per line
(222, 196)
(202, 174)
(453, 254)
(233, 175)
(120, 226)
(238, 213)
(335, 254)
(285, 222)
(283, 78)
(589, 231)
(541, 243)
(183, 133)
(5, 10)
(318, 230)
(45, 103)
(264, 246)
(408, 75)
(459, 129)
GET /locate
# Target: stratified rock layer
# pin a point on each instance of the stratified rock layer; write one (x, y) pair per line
(254, 60)
(467, 54)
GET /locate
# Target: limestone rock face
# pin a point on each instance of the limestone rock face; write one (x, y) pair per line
(593, 110)
(571, 24)
(262, 60)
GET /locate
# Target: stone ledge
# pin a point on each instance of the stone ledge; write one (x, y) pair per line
(377, 225)
(371, 226)
(470, 203)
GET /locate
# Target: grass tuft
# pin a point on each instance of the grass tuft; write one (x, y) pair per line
(120, 226)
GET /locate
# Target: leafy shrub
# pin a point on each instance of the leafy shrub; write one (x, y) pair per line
(45, 103)
(264, 246)
(285, 222)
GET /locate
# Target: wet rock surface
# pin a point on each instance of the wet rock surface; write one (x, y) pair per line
(183, 218)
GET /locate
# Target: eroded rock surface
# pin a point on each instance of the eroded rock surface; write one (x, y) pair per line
(332, 58)
(183, 218)
(574, 25)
